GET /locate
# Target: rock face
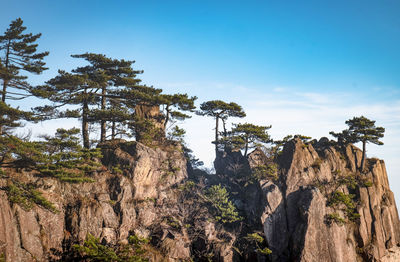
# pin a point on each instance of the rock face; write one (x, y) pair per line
(314, 207)
(111, 208)
(298, 205)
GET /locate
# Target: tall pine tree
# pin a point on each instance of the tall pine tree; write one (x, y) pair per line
(107, 73)
(175, 105)
(19, 54)
(220, 110)
(69, 89)
(245, 136)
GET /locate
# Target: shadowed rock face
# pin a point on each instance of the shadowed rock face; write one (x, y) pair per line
(290, 211)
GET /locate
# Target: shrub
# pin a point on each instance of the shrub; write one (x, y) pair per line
(334, 218)
(338, 199)
(65, 159)
(219, 199)
(368, 184)
(93, 250)
(258, 241)
(269, 170)
(26, 196)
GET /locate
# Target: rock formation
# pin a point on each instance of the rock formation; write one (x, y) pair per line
(148, 192)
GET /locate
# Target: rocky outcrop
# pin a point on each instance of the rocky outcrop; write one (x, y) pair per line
(132, 199)
(299, 204)
(314, 206)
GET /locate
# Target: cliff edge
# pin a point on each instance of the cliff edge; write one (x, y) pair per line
(308, 204)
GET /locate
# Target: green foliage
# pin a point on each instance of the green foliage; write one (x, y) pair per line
(190, 157)
(265, 251)
(177, 134)
(278, 145)
(93, 250)
(173, 222)
(334, 218)
(258, 241)
(255, 237)
(368, 184)
(246, 136)
(19, 54)
(304, 139)
(339, 197)
(220, 110)
(169, 169)
(117, 170)
(225, 210)
(10, 118)
(16, 152)
(2, 257)
(361, 129)
(147, 132)
(187, 186)
(65, 159)
(26, 196)
(174, 106)
(346, 202)
(269, 170)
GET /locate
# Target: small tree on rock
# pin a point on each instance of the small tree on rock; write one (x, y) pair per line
(220, 110)
(245, 136)
(361, 129)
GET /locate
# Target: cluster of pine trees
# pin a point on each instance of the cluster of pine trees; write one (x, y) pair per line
(107, 93)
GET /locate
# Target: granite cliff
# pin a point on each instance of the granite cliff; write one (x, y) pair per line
(312, 206)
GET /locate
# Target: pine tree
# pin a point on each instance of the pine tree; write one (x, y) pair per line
(65, 159)
(108, 74)
(69, 89)
(173, 105)
(220, 110)
(146, 121)
(361, 129)
(245, 136)
(19, 54)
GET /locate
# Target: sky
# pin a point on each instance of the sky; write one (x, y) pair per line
(304, 67)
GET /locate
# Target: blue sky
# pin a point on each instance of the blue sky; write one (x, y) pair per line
(302, 66)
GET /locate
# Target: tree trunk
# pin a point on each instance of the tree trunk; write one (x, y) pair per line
(363, 156)
(224, 126)
(103, 127)
(246, 147)
(85, 124)
(216, 133)
(5, 81)
(3, 95)
(167, 110)
(113, 130)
